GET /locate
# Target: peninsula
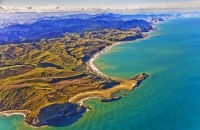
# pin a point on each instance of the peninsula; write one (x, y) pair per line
(38, 78)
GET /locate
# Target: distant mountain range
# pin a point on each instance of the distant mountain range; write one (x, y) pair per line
(29, 27)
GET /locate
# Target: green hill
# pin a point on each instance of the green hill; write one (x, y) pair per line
(34, 75)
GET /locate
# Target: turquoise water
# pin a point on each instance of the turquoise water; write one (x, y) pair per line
(169, 99)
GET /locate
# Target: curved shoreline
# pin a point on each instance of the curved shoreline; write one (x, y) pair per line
(15, 112)
(93, 68)
(127, 85)
(124, 85)
(80, 98)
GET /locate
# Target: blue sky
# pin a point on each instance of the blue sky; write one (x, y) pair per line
(96, 3)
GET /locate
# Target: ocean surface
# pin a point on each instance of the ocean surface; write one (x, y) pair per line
(168, 100)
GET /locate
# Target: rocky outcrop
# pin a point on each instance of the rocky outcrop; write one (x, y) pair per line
(111, 99)
(138, 80)
(54, 112)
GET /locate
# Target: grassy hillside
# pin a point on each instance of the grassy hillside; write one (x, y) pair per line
(34, 75)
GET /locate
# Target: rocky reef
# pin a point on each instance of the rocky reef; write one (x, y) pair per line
(111, 99)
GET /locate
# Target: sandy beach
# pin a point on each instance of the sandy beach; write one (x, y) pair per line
(92, 67)
(15, 112)
(125, 85)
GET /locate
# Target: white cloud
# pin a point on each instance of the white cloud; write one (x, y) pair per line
(193, 4)
(168, 5)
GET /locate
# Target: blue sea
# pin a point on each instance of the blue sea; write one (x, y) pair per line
(168, 100)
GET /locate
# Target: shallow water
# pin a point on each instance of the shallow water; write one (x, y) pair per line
(169, 99)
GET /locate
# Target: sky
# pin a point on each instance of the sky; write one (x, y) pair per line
(101, 3)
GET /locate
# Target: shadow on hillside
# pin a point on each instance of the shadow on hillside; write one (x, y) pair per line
(66, 121)
(56, 80)
(110, 84)
(45, 65)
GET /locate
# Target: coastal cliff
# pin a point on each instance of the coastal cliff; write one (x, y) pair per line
(54, 112)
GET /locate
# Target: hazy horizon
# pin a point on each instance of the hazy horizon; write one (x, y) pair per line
(102, 3)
